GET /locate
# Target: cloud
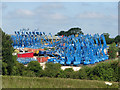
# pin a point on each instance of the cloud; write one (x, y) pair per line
(90, 15)
(96, 15)
(24, 12)
(57, 16)
(28, 14)
(52, 16)
(50, 10)
(50, 6)
(43, 11)
(20, 13)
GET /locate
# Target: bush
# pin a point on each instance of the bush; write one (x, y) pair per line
(18, 69)
(95, 77)
(4, 68)
(29, 73)
(105, 71)
(74, 75)
(15, 71)
(42, 73)
(68, 73)
(61, 74)
(89, 72)
(99, 69)
(82, 74)
(112, 51)
(52, 70)
(115, 66)
(108, 74)
(35, 67)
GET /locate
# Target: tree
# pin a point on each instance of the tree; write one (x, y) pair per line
(7, 51)
(35, 67)
(74, 31)
(70, 32)
(108, 40)
(4, 68)
(61, 33)
(106, 35)
(112, 50)
(117, 39)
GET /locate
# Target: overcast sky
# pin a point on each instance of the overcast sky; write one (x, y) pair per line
(91, 17)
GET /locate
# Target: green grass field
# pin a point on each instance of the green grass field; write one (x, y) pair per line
(36, 82)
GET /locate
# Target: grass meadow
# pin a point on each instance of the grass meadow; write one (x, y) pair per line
(44, 82)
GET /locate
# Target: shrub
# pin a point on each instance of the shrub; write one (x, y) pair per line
(61, 74)
(95, 77)
(89, 72)
(15, 71)
(82, 74)
(4, 68)
(18, 69)
(52, 70)
(112, 51)
(115, 66)
(29, 73)
(35, 67)
(108, 74)
(42, 73)
(74, 75)
(105, 71)
(68, 72)
(99, 69)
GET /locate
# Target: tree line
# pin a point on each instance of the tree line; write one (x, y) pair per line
(78, 30)
(106, 71)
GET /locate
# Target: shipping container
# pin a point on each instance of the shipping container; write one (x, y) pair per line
(42, 59)
(24, 55)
